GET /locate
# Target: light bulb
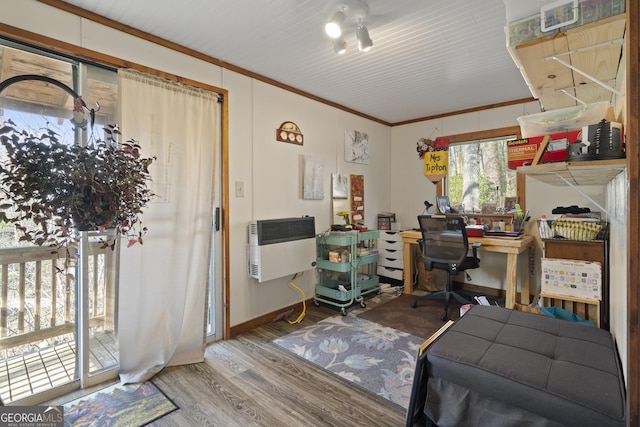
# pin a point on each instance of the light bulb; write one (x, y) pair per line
(339, 46)
(364, 41)
(333, 28)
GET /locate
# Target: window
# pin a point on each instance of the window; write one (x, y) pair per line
(35, 105)
(478, 175)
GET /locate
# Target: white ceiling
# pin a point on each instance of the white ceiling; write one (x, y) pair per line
(429, 57)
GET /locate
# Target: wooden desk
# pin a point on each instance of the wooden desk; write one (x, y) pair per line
(512, 248)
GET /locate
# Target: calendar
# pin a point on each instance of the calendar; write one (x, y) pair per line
(581, 279)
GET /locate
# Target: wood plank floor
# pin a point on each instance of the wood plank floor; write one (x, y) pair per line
(249, 381)
(45, 368)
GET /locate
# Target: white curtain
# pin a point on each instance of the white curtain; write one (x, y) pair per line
(163, 283)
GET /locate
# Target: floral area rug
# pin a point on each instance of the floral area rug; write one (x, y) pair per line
(379, 359)
(130, 405)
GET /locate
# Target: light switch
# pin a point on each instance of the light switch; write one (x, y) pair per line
(239, 188)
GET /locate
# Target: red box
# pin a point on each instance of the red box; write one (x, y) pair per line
(522, 151)
(475, 231)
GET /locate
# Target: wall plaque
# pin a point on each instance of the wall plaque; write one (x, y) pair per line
(289, 132)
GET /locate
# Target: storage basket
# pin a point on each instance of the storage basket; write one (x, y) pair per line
(578, 229)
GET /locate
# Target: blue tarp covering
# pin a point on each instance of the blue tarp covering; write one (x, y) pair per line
(560, 313)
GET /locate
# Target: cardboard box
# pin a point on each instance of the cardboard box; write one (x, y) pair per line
(431, 281)
(522, 151)
(580, 279)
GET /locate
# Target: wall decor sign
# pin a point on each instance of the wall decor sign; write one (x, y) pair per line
(436, 160)
(289, 132)
(357, 198)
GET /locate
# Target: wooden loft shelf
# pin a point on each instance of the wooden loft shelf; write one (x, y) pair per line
(593, 48)
(596, 172)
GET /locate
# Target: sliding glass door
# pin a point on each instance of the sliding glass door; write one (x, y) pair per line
(215, 296)
(58, 321)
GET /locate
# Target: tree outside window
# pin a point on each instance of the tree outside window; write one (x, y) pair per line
(479, 175)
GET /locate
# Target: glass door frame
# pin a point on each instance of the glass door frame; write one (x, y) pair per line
(81, 377)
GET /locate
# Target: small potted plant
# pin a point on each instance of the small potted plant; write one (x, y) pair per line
(53, 190)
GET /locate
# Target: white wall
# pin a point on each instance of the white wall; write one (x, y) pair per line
(406, 171)
(270, 170)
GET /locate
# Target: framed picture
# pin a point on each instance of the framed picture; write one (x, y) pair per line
(510, 203)
(443, 204)
(488, 208)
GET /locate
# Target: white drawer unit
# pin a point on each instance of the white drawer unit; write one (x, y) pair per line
(394, 245)
(391, 255)
(392, 262)
(390, 235)
(391, 273)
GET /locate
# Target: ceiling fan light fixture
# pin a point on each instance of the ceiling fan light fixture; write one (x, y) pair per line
(333, 28)
(364, 41)
(339, 45)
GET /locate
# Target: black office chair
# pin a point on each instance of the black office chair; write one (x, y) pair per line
(445, 246)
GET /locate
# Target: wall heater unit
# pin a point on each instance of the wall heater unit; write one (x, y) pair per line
(280, 247)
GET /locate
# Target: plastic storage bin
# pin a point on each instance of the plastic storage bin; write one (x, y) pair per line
(563, 119)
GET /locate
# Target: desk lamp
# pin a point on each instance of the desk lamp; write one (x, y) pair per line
(429, 208)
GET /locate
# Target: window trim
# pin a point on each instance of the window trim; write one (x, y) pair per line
(483, 135)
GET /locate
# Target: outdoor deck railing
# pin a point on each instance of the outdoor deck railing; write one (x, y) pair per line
(37, 301)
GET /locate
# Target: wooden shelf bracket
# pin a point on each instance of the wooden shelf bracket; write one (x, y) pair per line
(575, 98)
(587, 75)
